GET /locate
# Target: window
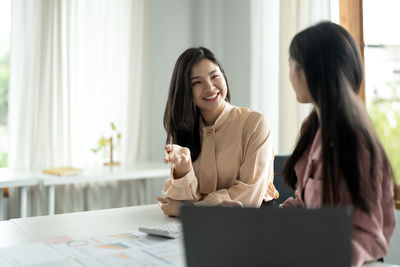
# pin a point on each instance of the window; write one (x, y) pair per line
(382, 74)
(5, 30)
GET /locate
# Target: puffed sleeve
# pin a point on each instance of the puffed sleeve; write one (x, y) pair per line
(184, 188)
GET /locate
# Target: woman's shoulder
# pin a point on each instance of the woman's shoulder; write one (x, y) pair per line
(372, 143)
(250, 118)
(246, 113)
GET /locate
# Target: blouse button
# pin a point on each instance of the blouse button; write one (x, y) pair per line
(209, 132)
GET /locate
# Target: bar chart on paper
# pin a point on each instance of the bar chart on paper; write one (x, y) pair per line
(126, 249)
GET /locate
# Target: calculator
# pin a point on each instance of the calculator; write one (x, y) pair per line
(171, 230)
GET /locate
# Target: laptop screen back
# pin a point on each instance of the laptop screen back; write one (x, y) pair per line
(224, 236)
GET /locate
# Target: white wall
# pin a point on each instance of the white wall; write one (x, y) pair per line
(171, 35)
(222, 26)
(237, 49)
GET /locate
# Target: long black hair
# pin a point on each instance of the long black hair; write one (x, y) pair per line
(181, 116)
(333, 69)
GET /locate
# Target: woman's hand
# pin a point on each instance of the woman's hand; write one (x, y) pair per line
(180, 158)
(231, 203)
(169, 206)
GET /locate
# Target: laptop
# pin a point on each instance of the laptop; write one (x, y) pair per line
(226, 236)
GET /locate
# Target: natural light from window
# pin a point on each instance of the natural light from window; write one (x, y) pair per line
(5, 30)
(382, 73)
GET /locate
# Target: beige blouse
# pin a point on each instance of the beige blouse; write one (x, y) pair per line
(235, 163)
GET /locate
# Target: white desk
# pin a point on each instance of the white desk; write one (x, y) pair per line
(81, 224)
(89, 223)
(13, 235)
(21, 179)
(137, 171)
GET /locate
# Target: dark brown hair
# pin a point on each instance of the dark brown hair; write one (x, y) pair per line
(181, 116)
(333, 69)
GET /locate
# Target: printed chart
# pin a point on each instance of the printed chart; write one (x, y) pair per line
(127, 249)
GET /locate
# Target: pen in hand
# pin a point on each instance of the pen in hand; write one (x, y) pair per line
(170, 163)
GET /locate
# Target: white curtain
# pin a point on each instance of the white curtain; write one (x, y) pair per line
(76, 66)
(275, 22)
(264, 93)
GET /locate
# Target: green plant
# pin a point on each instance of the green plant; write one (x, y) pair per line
(3, 159)
(4, 77)
(108, 143)
(385, 116)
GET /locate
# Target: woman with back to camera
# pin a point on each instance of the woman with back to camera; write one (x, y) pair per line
(338, 159)
(222, 154)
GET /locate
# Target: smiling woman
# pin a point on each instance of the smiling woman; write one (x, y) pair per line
(209, 90)
(222, 154)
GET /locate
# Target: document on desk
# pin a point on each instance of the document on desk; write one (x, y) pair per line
(104, 244)
(126, 249)
(29, 255)
(169, 253)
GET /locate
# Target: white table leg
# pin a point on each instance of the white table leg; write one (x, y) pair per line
(51, 199)
(24, 201)
(147, 190)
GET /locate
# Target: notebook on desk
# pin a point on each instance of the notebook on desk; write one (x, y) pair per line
(224, 236)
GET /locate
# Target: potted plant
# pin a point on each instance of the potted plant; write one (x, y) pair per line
(108, 145)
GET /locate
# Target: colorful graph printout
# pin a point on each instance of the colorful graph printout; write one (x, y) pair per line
(126, 249)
